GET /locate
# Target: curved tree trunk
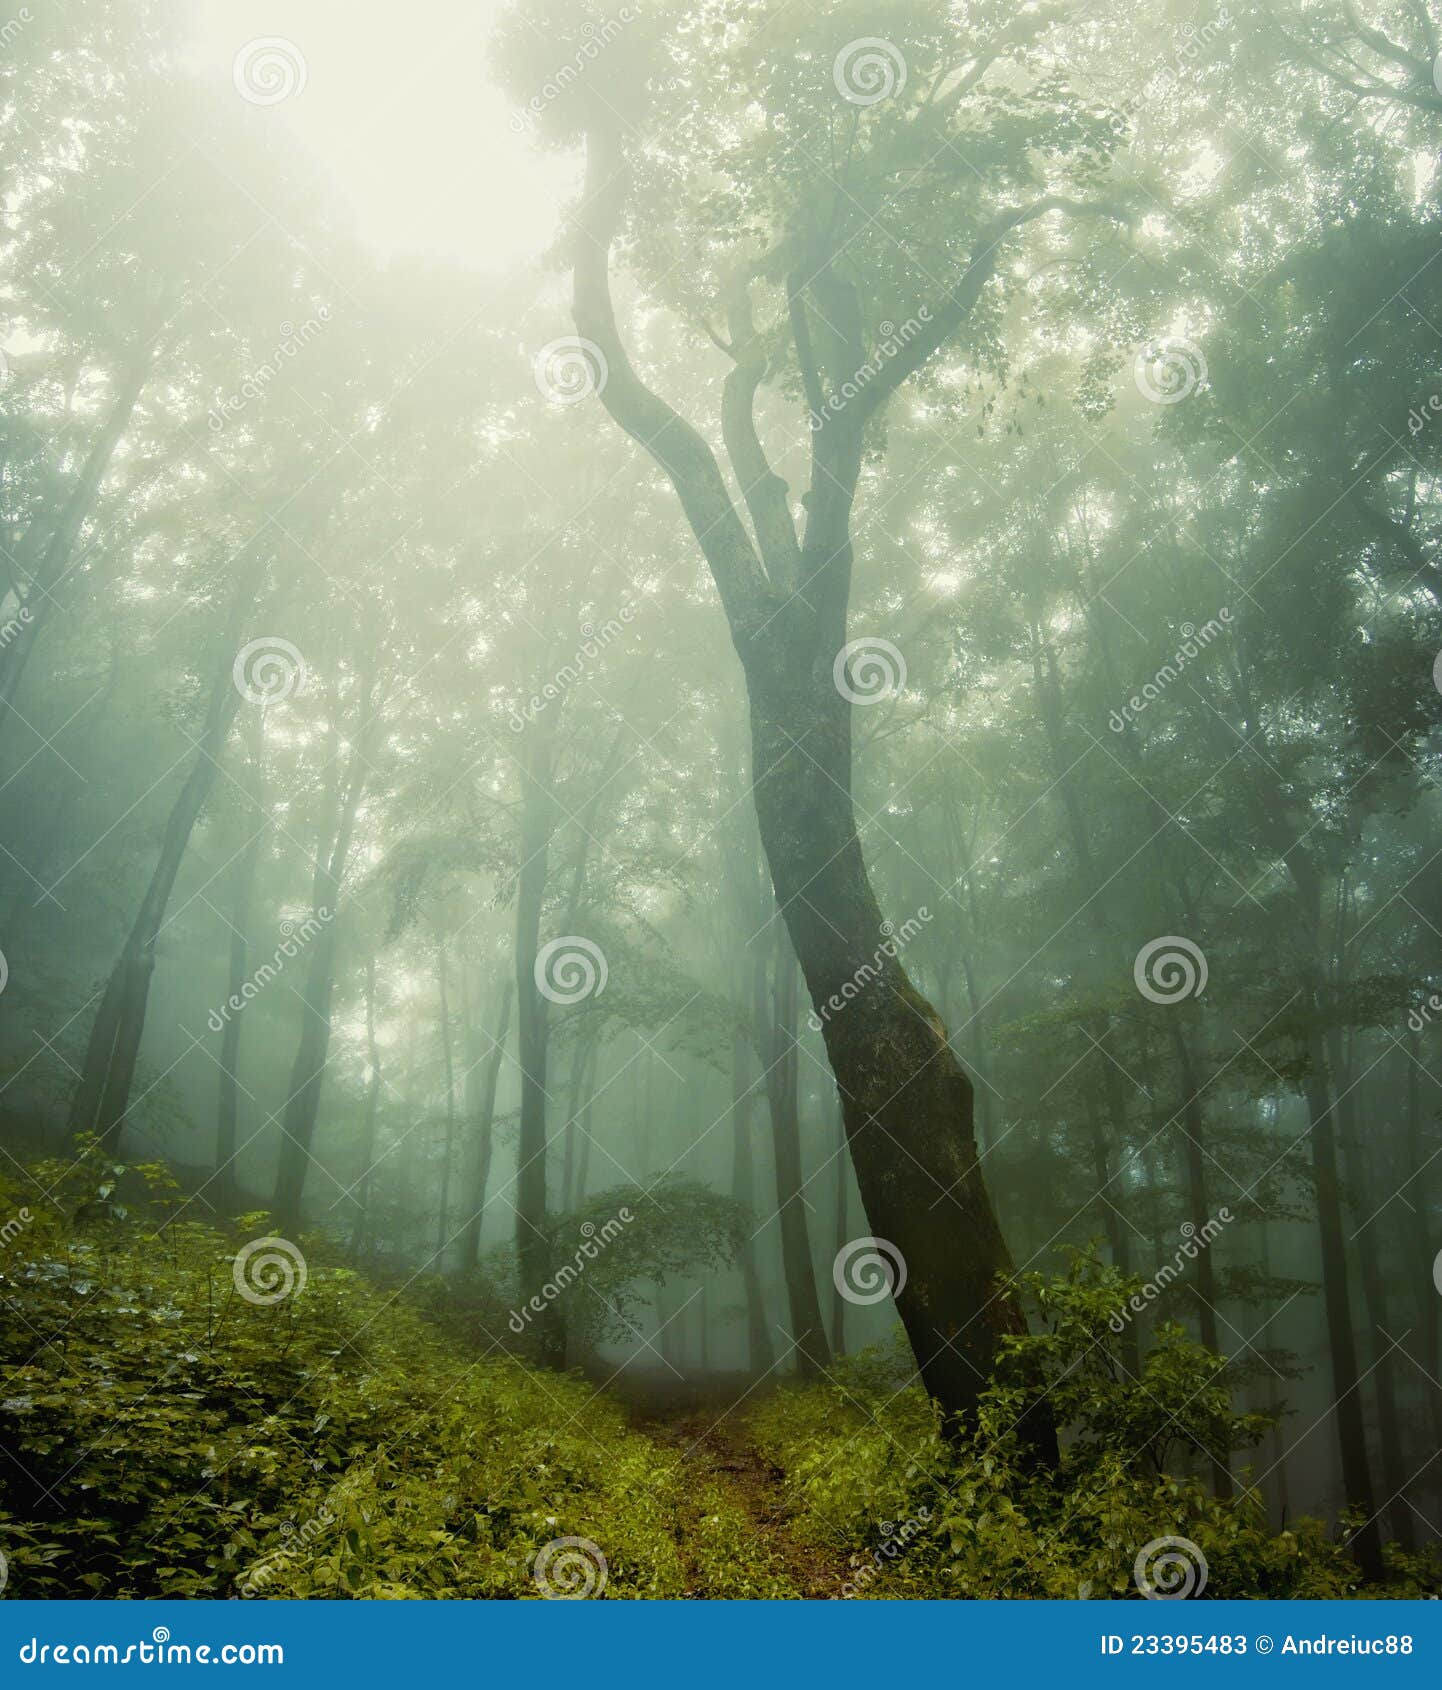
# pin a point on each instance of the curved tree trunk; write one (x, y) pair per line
(906, 1100)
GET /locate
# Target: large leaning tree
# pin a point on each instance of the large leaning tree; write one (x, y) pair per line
(842, 213)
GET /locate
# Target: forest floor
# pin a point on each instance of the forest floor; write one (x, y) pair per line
(701, 1425)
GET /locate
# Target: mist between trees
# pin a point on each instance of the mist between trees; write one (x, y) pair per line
(796, 838)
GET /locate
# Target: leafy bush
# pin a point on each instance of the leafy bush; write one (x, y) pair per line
(866, 1463)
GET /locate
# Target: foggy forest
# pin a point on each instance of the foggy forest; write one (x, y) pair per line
(720, 726)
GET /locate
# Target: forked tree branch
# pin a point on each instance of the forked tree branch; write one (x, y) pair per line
(676, 446)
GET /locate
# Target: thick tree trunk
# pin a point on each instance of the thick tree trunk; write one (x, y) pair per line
(102, 1093)
(907, 1101)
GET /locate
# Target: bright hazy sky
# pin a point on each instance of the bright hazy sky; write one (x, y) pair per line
(399, 110)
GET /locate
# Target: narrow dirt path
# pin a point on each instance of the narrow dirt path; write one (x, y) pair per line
(732, 1518)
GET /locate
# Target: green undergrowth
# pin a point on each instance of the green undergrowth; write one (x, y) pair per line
(168, 1437)
(865, 1464)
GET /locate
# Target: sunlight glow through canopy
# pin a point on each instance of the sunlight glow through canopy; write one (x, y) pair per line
(391, 112)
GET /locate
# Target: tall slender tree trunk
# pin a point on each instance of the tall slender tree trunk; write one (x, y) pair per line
(908, 1104)
(808, 1331)
(449, 1151)
(1382, 1335)
(360, 1238)
(307, 1077)
(102, 1093)
(1421, 1246)
(760, 1352)
(486, 1071)
(838, 1302)
(533, 1242)
(44, 560)
(227, 1125)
